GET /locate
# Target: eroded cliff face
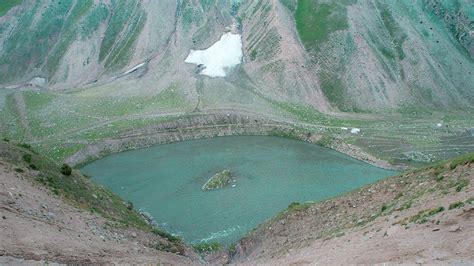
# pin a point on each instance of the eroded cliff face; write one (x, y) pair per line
(72, 43)
(111, 67)
(374, 55)
(348, 55)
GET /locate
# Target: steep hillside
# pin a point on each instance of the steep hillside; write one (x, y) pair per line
(70, 43)
(373, 55)
(52, 215)
(86, 75)
(424, 216)
(362, 56)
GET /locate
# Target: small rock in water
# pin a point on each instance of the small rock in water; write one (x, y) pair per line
(218, 180)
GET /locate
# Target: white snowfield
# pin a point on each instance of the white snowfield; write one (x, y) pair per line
(355, 130)
(218, 58)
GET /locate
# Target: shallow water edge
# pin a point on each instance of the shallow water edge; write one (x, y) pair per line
(270, 173)
(193, 127)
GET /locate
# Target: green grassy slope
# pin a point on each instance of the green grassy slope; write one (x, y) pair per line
(37, 39)
(375, 57)
(86, 117)
(366, 62)
(7, 5)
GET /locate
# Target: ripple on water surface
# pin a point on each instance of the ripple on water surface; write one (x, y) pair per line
(270, 172)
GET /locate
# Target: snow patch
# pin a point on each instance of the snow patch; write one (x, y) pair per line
(134, 68)
(355, 130)
(222, 55)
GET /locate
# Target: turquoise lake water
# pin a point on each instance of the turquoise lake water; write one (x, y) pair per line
(271, 172)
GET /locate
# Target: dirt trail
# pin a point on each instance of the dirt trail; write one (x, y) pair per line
(22, 113)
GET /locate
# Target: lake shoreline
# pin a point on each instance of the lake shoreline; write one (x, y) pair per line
(263, 173)
(217, 125)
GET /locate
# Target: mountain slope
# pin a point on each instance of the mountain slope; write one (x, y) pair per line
(70, 43)
(424, 216)
(89, 74)
(49, 216)
(373, 55)
(360, 55)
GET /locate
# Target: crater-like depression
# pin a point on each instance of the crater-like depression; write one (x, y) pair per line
(216, 190)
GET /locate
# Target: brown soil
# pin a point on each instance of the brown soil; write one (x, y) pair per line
(383, 222)
(36, 225)
(372, 225)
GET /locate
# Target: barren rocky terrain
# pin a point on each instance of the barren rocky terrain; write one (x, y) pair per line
(393, 69)
(422, 217)
(39, 224)
(387, 82)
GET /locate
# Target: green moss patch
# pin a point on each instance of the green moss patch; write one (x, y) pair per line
(218, 180)
(6, 5)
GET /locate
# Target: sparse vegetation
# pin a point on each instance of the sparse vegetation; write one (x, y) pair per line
(7, 5)
(66, 170)
(27, 157)
(130, 205)
(315, 21)
(422, 216)
(406, 205)
(461, 184)
(398, 36)
(467, 158)
(19, 170)
(470, 200)
(76, 189)
(218, 180)
(25, 145)
(168, 247)
(290, 4)
(455, 205)
(167, 236)
(253, 55)
(284, 133)
(297, 206)
(207, 248)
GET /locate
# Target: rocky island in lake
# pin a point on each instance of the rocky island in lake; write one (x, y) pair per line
(218, 180)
